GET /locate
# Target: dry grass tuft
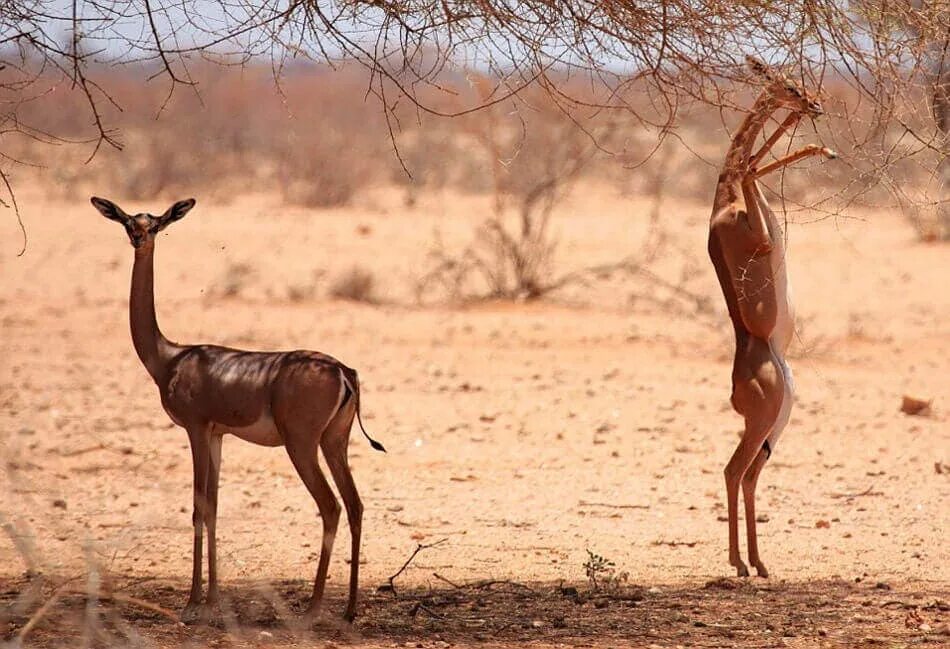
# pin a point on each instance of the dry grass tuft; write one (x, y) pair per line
(356, 284)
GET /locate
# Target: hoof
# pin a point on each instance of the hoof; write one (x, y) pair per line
(208, 614)
(191, 613)
(741, 570)
(349, 615)
(761, 571)
(309, 617)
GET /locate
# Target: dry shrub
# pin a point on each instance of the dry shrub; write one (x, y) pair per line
(234, 280)
(319, 141)
(356, 284)
(535, 153)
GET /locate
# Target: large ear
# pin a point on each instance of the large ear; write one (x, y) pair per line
(109, 209)
(177, 211)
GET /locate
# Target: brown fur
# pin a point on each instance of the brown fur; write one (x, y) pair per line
(302, 400)
(746, 250)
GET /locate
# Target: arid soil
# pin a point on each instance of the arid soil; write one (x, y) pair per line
(524, 434)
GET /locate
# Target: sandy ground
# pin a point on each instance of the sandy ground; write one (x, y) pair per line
(524, 434)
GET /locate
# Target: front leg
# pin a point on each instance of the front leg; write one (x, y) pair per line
(804, 152)
(214, 470)
(200, 455)
(755, 217)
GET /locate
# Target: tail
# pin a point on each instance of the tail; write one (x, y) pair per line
(353, 383)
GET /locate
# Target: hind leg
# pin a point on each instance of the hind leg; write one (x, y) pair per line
(307, 401)
(304, 458)
(748, 494)
(334, 445)
(758, 394)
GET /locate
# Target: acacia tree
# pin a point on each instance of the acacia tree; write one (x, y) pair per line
(676, 52)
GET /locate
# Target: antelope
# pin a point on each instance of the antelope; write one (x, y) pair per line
(747, 250)
(301, 400)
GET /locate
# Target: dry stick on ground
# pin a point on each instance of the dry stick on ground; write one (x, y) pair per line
(866, 492)
(419, 548)
(135, 601)
(449, 582)
(68, 587)
(584, 503)
(45, 608)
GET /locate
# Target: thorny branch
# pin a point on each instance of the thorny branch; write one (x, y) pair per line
(419, 548)
(892, 55)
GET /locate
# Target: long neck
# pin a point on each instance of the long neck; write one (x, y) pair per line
(740, 150)
(150, 345)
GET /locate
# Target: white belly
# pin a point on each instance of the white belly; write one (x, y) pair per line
(263, 432)
(784, 330)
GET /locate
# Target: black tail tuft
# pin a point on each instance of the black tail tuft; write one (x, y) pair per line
(352, 378)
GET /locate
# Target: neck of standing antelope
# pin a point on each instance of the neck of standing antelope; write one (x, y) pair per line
(740, 149)
(152, 347)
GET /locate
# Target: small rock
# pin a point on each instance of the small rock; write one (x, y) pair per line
(926, 628)
(60, 503)
(762, 518)
(265, 635)
(882, 585)
(537, 624)
(914, 406)
(822, 524)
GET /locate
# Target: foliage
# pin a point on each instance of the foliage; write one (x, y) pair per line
(602, 574)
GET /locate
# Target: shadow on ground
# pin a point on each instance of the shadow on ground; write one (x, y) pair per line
(726, 612)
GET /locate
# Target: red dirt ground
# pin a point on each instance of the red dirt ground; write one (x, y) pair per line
(525, 434)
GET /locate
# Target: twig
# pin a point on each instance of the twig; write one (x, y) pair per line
(866, 492)
(450, 583)
(83, 451)
(487, 584)
(45, 608)
(419, 548)
(584, 503)
(141, 603)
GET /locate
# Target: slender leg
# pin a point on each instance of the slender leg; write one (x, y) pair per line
(199, 457)
(804, 152)
(214, 470)
(758, 394)
(304, 458)
(789, 122)
(748, 493)
(734, 471)
(754, 215)
(334, 445)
